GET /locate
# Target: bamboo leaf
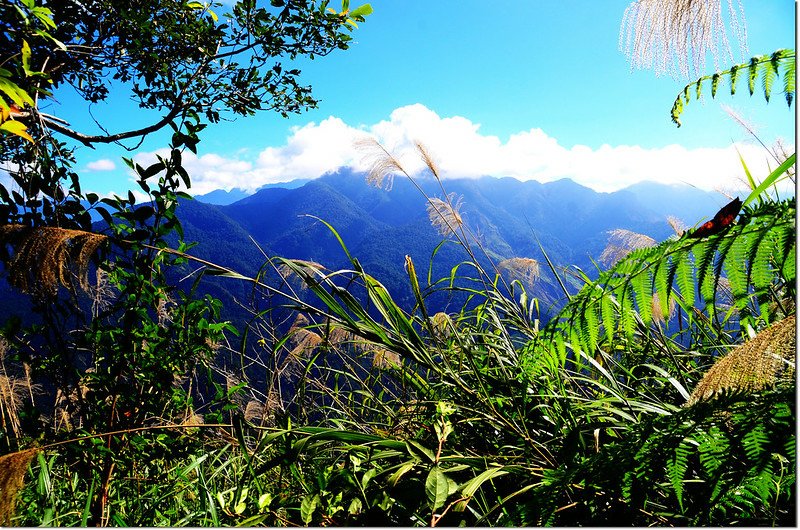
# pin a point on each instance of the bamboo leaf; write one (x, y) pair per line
(780, 173)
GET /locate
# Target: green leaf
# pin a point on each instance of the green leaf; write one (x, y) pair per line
(26, 58)
(419, 451)
(307, 507)
(17, 128)
(789, 82)
(361, 11)
(264, 501)
(401, 470)
(469, 488)
(438, 487)
(780, 173)
(355, 506)
(769, 71)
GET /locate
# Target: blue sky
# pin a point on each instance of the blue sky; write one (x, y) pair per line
(531, 89)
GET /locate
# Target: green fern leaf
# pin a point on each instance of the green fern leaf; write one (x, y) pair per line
(733, 75)
(643, 289)
(755, 442)
(752, 74)
(769, 71)
(576, 341)
(591, 328)
(789, 269)
(712, 450)
(685, 276)
(676, 469)
(677, 109)
(769, 67)
(608, 316)
(788, 82)
(704, 260)
(662, 284)
(626, 312)
(762, 262)
(725, 246)
(561, 350)
(736, 268)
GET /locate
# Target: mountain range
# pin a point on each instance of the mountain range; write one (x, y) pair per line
(509, 219)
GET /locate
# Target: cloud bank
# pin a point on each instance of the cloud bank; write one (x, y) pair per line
(462, 151)
(104, 164)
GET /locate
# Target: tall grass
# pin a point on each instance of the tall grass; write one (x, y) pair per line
(370, 413)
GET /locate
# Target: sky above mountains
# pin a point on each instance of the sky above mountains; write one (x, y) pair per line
(533, 90)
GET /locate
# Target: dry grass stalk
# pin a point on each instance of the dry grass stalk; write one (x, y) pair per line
(526, 270)
(12, 391)
(781, 151)
(657, 310)
(761, 362)
(444, 215)
(193, 419)
(674, 36)
(442, 325)
(302, 341)
(13, 467)
(308, 268)
(427, 158)
(102, 294)
(45, 257)
(382, 165)
(254, 411)
(622, 242)
(678, 226)
(385, 359)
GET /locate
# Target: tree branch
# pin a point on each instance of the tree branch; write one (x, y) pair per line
(89, 139)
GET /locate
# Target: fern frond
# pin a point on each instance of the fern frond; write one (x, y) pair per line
(676, 469)
(765, 66)
(749, 260)
(733, 77)
(769, 71)
(789, 82)
(643, 289)
(752, 73)
(685, 277)
(712, 450)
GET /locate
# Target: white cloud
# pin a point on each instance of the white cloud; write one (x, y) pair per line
(104, 164)
(461, 150)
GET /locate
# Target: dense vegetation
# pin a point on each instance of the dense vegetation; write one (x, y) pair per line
(662, 393)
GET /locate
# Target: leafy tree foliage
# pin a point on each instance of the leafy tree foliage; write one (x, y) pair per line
(182, 63)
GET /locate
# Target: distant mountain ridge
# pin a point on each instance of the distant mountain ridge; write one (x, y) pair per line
(381, 227)
(225, 197)
(510, 219)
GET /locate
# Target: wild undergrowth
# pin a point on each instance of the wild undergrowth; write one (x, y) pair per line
(662, 393)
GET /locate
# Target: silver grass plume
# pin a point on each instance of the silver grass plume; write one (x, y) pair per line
(764, 361)
(427, 158)
(526, 270)
(382, 165)
(674, 36)
(622, 242)
(678, 226)
(445, 216)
